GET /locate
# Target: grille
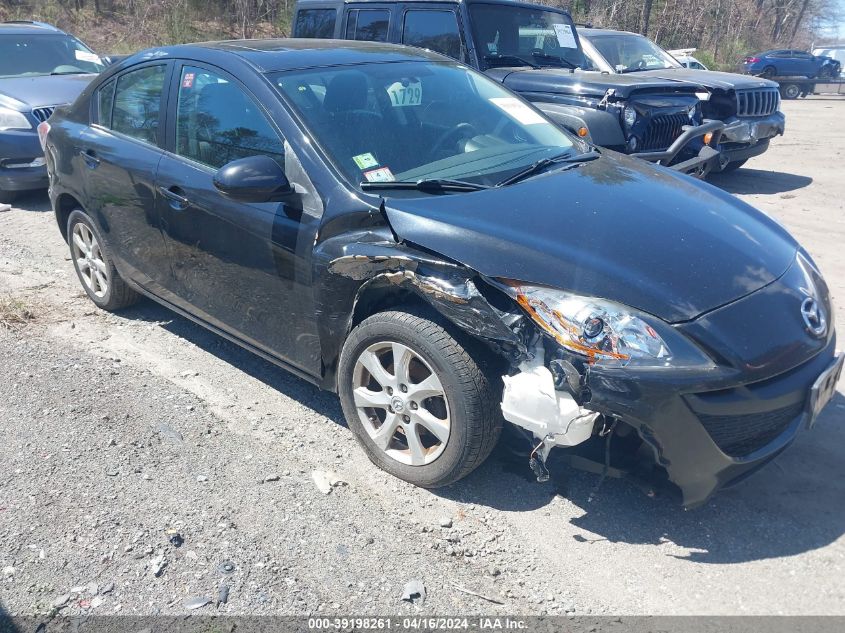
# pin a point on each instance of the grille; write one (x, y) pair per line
(42, 114)
(663, 129)
(761, 102)
(739, 435)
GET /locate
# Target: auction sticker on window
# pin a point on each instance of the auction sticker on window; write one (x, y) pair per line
(382, 174)
(405, 93)
(565, 37)
(85, 56)
(517, 110)
(365, 161)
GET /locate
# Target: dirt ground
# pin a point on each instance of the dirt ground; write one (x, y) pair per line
(120, 432)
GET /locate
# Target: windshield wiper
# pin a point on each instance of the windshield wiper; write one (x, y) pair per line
(554, 58)
(434, 185)
(510, 59)
(543, 163)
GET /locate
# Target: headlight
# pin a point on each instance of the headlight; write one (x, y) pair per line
(604, 332)
(13, 120)
(629, 115)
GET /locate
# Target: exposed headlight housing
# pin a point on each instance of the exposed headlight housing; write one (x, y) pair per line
(603, 332)
(13, 120)
(629, 115)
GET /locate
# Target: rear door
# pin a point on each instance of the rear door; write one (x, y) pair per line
(370, 22)
(432, 26)
(244, 268)
(119, 155)
(317, 21)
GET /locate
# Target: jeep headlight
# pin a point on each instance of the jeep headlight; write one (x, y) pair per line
(13, 120)
(629, 115)
(604, 332)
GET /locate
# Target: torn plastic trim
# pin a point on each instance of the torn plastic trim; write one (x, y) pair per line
(553, 417)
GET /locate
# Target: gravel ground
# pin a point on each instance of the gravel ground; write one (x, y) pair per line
(142, 457)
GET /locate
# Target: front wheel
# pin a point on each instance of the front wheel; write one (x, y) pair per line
(790, 91)
(416, 399)
(94, 266)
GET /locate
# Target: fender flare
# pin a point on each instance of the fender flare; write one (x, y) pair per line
(602, 126)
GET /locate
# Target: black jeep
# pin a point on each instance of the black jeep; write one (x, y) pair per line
(536, 51)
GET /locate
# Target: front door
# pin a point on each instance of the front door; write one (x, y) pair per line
(244, 268)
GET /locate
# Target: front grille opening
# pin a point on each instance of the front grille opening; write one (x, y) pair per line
(761, 102)
(663, 130)
(741, 435)
(42, 114)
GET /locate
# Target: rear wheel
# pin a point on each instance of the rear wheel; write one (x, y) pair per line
(768, 71)
(94, 266)
(416, 399)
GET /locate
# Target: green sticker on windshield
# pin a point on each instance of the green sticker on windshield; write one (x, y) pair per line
(365, 161)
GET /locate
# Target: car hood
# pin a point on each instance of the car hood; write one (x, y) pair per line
(586, 83)
(35, 92)
(616, 228)
(707, 78)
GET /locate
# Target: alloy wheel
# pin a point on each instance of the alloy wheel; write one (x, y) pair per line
(89, 259)
(401, 403)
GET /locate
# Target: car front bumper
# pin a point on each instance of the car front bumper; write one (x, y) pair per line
(680, 155)
(21, 161)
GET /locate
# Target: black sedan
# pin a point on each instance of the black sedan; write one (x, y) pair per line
(393, 226)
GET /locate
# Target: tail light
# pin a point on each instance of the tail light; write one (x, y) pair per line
(43, 129)
(752, 60)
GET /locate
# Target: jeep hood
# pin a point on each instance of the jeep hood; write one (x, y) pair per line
(615, 227)
(583, 83)
(708, 78)
(35, 92)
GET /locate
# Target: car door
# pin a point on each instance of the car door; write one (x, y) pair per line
(432, 26)
(119, 155)
(243, 268)
(369, 22)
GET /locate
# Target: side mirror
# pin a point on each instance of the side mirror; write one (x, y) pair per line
(253, 179)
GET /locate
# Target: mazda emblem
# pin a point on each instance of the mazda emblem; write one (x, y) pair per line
(814, 318)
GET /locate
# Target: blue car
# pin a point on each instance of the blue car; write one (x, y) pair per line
(41, 68)
(790, 63)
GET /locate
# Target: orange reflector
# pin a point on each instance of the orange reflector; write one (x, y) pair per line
(582, 132)
(708, 137)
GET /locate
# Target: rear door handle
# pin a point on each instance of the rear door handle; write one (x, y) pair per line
(90, 157)
(174, 195)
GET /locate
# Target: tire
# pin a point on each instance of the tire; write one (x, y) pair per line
(470, 404)
(7, 197)
(790, 91)
(89, 253)
(733, 166)
(769, 71)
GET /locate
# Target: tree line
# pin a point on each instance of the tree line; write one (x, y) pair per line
(722, 30)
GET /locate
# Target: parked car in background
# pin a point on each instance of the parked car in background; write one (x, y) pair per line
(536, 51)
(749, 106)
(398, 228)
(41, 68)
(685, 58)
(834, 51)
(791, 63)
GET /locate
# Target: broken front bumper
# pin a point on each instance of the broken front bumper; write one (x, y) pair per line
(711, 431)
(707, 156)
(748, 137)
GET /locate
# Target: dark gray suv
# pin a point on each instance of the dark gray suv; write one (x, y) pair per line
(41, 67)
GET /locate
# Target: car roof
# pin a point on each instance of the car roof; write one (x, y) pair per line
(28, 27)
(267, 55)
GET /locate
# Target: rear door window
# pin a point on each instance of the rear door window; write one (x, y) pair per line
(315, 23)
(137, 103)
(435, 30)
(105, 101)
(371, 25)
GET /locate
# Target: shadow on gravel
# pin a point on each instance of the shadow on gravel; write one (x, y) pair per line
(791, 506)
(33, 201)
(7, 625)
(322, 402)
(750, 181)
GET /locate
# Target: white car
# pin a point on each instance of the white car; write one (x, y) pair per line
(685, 58)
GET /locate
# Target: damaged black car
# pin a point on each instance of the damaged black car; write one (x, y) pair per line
(393, 226)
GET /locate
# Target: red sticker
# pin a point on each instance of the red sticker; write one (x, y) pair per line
(188, 80)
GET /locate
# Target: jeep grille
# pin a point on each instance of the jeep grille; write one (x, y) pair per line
(663, 130)
(758, 102)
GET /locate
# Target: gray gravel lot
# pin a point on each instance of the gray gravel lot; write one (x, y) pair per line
(119, 432)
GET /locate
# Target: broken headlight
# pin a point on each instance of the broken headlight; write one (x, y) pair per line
(603, 332)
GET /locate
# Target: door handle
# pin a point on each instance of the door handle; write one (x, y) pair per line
(174, 195)
(90, 157)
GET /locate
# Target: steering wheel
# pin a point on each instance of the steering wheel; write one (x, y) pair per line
(461, 130)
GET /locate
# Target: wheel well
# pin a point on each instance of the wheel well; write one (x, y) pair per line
(65, 204)
(381, 298)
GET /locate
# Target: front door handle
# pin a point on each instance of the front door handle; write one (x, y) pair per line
(90, 157)
(174, 195)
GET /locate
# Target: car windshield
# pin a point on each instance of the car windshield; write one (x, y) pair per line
(504, 35)
(412, 121)
(627, 53)
(39, 55)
